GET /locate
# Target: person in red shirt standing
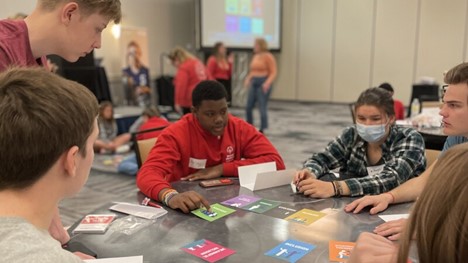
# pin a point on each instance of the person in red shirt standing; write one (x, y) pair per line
(397, 105)
(219, 67)
(206, 144)
(190, 71)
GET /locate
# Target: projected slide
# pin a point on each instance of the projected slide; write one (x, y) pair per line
(238, 22)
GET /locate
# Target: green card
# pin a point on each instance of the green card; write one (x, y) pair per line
(261, 206)
(217, 211)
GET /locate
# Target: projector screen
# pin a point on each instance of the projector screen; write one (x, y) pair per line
(237, 23)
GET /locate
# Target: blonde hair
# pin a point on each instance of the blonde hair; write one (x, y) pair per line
(107, 8)
(439, 220)
(262, 44)
(180, 54)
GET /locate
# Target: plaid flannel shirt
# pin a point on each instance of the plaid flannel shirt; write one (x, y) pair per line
(402, 154)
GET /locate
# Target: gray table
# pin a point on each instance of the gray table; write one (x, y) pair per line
(248, 233)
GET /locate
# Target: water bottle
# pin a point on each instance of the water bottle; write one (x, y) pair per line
(415, 107)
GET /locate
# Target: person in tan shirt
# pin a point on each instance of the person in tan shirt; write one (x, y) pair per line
(259, 81)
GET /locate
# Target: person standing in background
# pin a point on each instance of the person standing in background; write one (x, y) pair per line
(137, 77)
(190, 72)
(219, 67)
(259, 81)
(397, 105)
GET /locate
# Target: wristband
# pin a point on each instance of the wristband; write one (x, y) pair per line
(334, 188)
(169, 196)
(338, 188)
(165, 193)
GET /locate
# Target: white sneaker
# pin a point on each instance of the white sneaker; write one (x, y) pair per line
(122, 148)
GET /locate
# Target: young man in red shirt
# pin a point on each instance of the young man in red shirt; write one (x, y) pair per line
(206, 144)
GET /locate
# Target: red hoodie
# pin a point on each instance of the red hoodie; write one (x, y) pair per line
(154, 122)
(188, 75)
(185, 143)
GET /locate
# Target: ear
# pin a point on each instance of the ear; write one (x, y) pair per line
(68, 10)
(193, 109)
(70, 160)
(392, 119)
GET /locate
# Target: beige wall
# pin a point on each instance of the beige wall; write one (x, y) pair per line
(332, 49)
(345, 46)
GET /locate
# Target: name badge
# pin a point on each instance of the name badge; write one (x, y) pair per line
(375, 170)
(197, 163)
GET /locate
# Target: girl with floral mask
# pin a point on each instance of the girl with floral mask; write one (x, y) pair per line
(372, 157)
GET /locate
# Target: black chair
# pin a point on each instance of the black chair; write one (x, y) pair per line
(143, 147)
(424, 92)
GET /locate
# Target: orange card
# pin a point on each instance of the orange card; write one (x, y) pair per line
(339, 250)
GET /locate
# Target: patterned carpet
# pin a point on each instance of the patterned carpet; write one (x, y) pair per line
(296, 129)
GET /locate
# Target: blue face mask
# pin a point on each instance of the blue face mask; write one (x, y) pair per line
(371, 133)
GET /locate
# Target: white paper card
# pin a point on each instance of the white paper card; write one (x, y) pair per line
(147, 212)
(273, 179)
(197, 163)
(387, 218)
(135, 259)
(248, 173)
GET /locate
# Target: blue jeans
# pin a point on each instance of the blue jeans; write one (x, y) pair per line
(256, 94)
(128, 165)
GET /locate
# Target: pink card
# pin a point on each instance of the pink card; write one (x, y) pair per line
(208, 250)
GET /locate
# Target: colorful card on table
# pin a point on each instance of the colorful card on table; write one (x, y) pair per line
(217, 211)
(340, 250)
(261, 206)
(208, 250)
(240, 201)
(305, 216)
(290, 250)
(281, 211)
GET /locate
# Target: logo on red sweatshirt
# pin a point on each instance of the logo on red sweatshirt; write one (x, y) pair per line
(230, 154)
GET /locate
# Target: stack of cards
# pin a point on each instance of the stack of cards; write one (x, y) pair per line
(94, 224)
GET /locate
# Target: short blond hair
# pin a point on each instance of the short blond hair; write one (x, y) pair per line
(262, 44)
(180, 54)
(107, 8)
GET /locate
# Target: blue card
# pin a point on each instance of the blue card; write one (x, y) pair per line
(290, 250)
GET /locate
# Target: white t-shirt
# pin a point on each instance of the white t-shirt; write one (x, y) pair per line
(23, 242)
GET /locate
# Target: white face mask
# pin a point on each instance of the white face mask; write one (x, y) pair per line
(371, 133)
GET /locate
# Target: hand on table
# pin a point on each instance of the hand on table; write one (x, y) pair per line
(302, 175)
(372, 248)
(378, 202)
(188, 201)
(316, 188)
(207, 173)
(391, 229)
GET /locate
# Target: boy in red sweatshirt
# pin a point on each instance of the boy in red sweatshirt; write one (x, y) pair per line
(206, 144)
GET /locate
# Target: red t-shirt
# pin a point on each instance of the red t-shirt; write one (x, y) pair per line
(216, 71)
(188, 75)
(155, 122)
(399, 109)
(185, 147)
(15, 49)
